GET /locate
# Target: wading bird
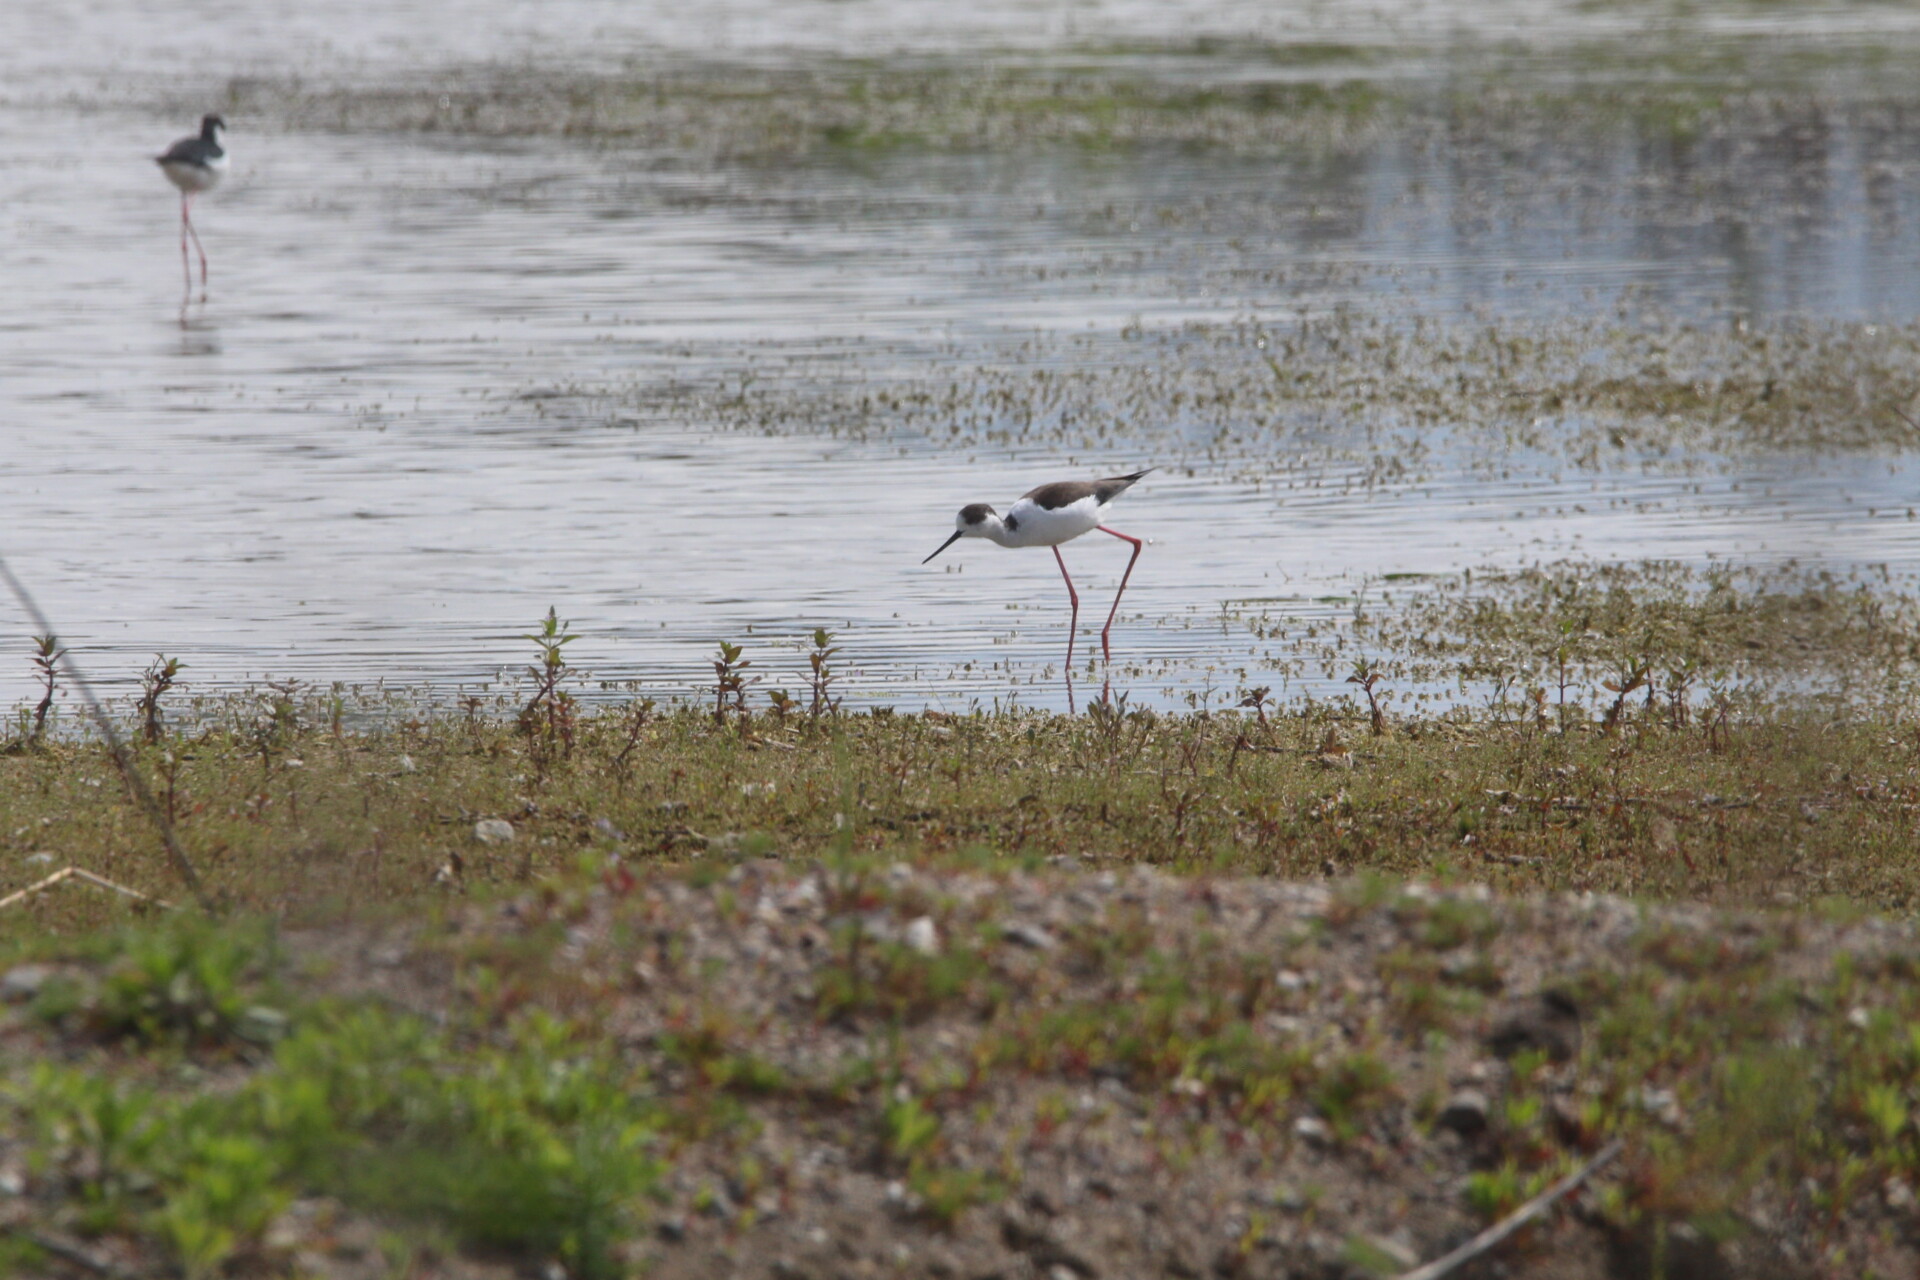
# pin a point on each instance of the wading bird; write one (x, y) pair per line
(194, 165)
(1046, 517)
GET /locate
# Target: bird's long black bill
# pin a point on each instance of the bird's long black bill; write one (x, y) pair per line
(943, 546)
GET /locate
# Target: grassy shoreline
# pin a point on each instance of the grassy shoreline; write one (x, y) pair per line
(1745, 802)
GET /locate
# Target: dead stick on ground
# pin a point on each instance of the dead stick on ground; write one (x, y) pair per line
(122, 758)
(68, 1253)
(1519, 1218)
(80, 873)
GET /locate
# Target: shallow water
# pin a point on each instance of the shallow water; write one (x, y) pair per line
(440, 384)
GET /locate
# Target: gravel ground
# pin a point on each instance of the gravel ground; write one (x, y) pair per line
(1131, 1074)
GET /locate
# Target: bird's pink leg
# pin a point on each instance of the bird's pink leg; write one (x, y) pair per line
(186, 264)
(1106, 651)
(1073, 627)
(186, 224)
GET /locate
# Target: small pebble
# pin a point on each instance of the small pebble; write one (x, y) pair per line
(1465, 1113)
(923, 936)
(1663, 1105)
(493, 831)
(1547, 1020)
(1029, 935)
(1289, 1199)
(23, 982)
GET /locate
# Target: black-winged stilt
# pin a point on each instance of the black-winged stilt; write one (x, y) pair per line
(194, 165)
(1046, 517)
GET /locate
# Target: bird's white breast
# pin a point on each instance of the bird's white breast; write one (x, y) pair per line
(1036, 526)
(193, 178)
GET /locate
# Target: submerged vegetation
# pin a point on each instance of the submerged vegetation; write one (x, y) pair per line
(1377, 400)
(1687, 640)
(1236, 97)
(1718, 136)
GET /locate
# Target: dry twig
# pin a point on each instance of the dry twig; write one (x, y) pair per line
(1519, 1218)
(80, 873)
(122, 758)
(71, 1254)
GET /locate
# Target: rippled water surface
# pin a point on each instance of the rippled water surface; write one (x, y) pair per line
(442, 383)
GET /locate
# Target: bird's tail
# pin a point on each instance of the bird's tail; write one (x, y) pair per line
(1107, 490)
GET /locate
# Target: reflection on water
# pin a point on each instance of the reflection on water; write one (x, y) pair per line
(199, 333)
(404, 423)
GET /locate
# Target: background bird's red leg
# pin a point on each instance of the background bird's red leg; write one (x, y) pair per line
(186, 224)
